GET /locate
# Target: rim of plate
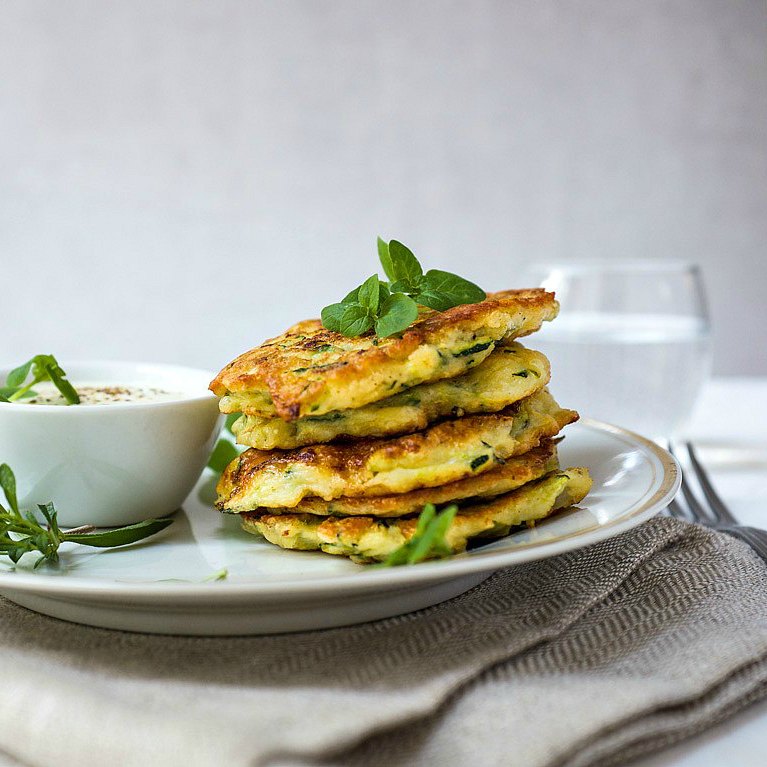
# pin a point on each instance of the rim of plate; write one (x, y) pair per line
(666, 482)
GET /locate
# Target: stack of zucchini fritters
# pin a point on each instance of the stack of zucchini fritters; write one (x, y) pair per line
(350, 437)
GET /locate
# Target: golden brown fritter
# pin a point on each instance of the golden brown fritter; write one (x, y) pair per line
(514, 473)
(508, 375)
(367, 539)
(446, 452)
(312, 371)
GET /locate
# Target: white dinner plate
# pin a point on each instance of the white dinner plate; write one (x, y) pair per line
(203, 575)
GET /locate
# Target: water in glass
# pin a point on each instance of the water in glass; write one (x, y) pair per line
(631, 346)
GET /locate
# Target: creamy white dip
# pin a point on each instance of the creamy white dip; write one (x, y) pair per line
(47, 394)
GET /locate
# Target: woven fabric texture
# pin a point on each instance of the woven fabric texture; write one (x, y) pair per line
(590, 658)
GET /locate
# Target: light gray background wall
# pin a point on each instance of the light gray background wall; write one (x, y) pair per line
(180, 179)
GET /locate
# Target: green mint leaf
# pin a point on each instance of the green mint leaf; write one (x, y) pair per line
(40, 365)
(18, 375)
(331, 316)
(223, 454)
(49, 512)
(53, 534)
(352, 297)
(3, 397)
(355, 321)
(8, 483)
(68, 391)
(432, 540)
(400, 286)
(30, 517)
(397, 557)
(369, 295)
(440, 546)
(385, 258)
(43, 367)
(383, 292)
(424, 519)
(428, 541)
(119, 536)
(17, 552)
(403, 265)
(390, 308)
(443, 290)
(398, 312)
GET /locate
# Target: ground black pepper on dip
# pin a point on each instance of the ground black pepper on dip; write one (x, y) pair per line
(99, 395)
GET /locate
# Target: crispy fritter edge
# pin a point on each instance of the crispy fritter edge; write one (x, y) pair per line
(267, 368)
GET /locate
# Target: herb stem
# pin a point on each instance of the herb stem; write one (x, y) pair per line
(19, 393)
(21, 532)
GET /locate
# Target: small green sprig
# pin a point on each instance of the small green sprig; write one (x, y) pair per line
(428, 540)
(21, 532)
(390, 307)
(42, 367)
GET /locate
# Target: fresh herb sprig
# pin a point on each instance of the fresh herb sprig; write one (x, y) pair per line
(21, 532)
(428, 540)
(390, 307)
(436, 289)
(42, 367)
(371, 305)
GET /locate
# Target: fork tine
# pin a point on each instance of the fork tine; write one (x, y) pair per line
(720, 511)
(697, 513)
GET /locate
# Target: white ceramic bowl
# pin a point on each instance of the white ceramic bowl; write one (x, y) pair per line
(118, 463)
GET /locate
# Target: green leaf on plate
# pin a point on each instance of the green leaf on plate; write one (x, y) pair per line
(119, 536)
(8, 483)
(223, 454)
(428, 541)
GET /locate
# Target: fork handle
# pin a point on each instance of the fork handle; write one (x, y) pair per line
(756, 539)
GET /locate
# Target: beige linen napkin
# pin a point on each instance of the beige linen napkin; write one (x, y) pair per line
(589, 658)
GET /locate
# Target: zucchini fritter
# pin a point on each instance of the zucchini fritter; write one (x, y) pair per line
(446, 452)
(509, 374)
(366, 539)
(312, 371)
(514, 473)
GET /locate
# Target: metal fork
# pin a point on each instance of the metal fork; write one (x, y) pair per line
(712, 512)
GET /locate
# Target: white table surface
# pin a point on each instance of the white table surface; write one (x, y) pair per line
(730, 428)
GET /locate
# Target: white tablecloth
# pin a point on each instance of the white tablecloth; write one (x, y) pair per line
(730, 428)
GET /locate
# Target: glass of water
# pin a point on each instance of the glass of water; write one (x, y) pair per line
(631, 345)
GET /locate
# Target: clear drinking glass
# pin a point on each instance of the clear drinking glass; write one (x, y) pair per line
(631, 345)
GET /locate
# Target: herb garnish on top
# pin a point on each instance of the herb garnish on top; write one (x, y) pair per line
(390, 307)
